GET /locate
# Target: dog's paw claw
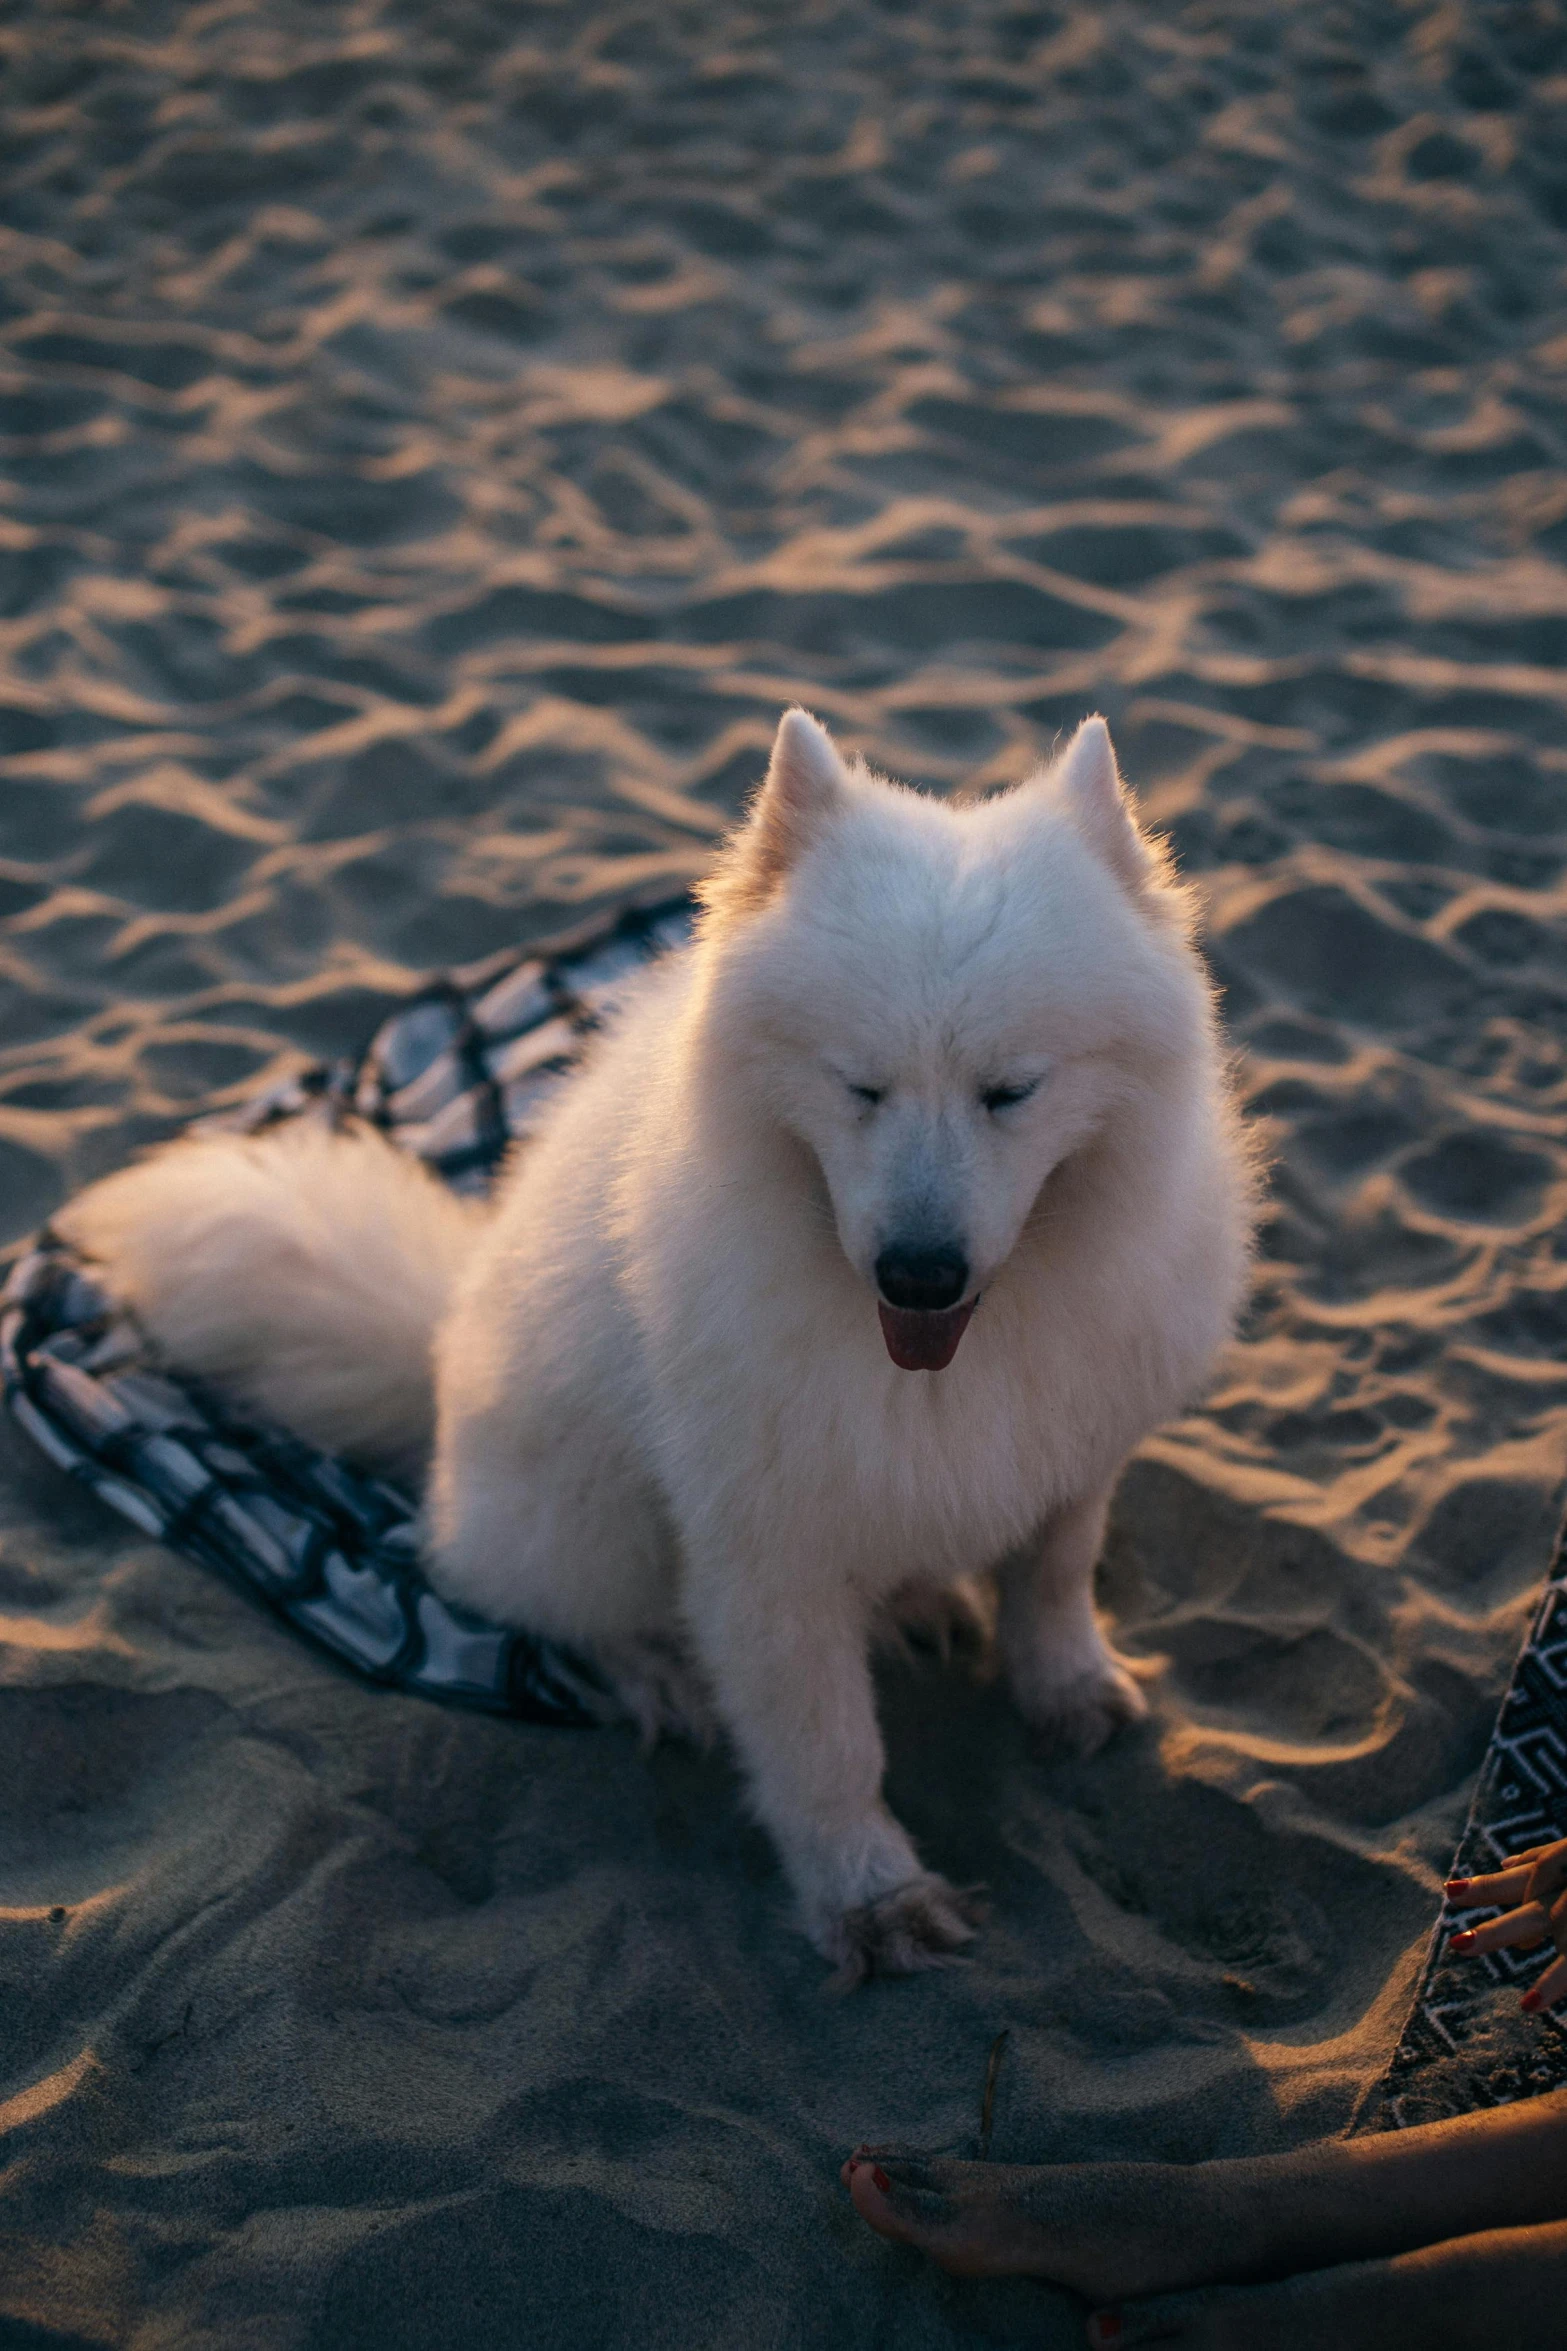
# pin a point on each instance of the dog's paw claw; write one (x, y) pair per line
(659, 1686)
(923, 1924)
(939, 1620)
(1078, 1717)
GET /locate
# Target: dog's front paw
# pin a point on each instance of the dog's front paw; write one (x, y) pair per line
(1075, 1716)
(923, 1924)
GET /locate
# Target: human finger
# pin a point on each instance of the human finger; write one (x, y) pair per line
(1555, 1849)
(1549, 1988)
(1519, 1930)
(1548, 1877)
(1500, 1891)
(1532, 1853)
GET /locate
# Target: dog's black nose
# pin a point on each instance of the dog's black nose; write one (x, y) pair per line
(923, 1279)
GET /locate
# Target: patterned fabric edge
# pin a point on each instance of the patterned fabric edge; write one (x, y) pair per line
(1465, 2043)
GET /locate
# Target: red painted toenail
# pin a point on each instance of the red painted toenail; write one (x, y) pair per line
(1456, 1886)
(881, 2179)
(1462, 1942)
(1530, 2001)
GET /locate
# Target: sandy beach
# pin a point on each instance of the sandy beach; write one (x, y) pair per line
(434, 444)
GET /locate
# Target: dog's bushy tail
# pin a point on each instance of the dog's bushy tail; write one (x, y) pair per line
(302, 1271)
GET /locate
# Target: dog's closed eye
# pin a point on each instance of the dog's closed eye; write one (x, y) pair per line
(1007, 1097)
(868, 1094)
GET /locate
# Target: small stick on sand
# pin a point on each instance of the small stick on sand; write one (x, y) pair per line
(987, 2104)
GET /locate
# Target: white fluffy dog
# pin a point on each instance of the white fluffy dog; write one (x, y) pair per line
(888, 1219)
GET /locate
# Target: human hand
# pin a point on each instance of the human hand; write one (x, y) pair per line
(1531, 1892)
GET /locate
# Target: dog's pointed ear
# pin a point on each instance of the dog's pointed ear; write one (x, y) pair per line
(805, 785)
(1088, 782)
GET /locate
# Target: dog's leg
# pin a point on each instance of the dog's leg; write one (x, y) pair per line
(793, 1684)
(1067, 1680)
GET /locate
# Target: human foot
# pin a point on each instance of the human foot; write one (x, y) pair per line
(1080, 2224)
(1114, 2229)
(1507, 2282)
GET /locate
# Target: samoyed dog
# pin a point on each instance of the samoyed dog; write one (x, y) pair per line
(890, 1216)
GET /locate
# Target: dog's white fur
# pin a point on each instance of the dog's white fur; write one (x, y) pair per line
(664, 1421)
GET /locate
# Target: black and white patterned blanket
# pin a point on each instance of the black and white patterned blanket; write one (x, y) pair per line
(457, 1075)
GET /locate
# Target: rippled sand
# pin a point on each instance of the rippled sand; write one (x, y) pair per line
(437, 440)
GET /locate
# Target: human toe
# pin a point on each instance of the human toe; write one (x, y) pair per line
(871, 2190)
(1163, 2318)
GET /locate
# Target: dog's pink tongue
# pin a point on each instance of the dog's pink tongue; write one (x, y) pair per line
(923, 1342)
